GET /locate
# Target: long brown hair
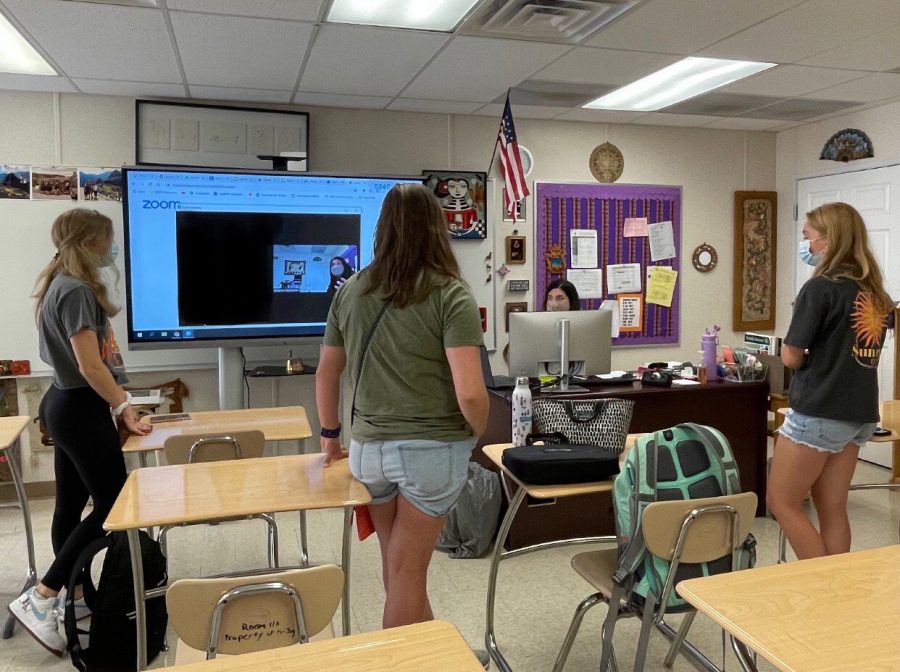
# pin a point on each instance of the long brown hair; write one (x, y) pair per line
(412, 250)
(847, 254)
(75, 234)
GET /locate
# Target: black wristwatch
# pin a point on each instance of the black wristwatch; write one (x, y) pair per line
(330, 433)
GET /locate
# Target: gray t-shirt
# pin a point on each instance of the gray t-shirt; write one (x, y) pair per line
(69, 307)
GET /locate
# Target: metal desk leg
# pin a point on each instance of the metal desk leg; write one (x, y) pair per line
(304, 544)
(31, 575)
(140, 615)
(490, 638)
(745, 658)
(345, 565)
(142, 456)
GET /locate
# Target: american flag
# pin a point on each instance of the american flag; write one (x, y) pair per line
(510, 161)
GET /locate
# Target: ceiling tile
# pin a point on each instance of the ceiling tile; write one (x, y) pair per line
(665, 119)
(865, 90)
(108, 87)
(238, 52)
(808, 29)
(367, 61)
(438, 106)
(554, 94)
(721, 104)
(307, 10)
(601, 116)
(100, 41)
(604, 66)
(240, 94)
(800, 109)
(744, 124)
(34, 83)
(684, 27)
(337, 100)
(876, 52)
(462, 68)
(788, 81)
(522, 111)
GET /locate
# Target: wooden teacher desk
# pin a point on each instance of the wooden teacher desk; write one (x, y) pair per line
(203, 491)
(738, 410)
(831, 614)
(435, 646)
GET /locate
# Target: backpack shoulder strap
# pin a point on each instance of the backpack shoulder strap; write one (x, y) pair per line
(82, 564)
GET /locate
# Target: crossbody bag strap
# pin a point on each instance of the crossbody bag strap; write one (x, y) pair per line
(362, 358)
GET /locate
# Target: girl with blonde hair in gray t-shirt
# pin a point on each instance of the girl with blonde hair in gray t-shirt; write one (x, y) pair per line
(72, 312)
(834, 342)
(408, 332)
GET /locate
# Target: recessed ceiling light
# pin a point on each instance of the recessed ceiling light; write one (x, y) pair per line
(682, 80)
(442, 15)
(17, 56)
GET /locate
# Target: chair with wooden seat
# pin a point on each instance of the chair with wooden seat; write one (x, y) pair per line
(238, 614)
(190, 448)
(680, 532)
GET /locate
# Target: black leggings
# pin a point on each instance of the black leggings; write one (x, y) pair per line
(88, 462)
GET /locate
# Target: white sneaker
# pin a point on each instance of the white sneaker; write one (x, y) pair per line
(38, 615)
(82, 610)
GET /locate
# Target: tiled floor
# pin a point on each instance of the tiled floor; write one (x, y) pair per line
(536, 593)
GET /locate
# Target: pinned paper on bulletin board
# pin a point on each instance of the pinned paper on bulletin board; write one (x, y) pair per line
(623, 278)
(588, 282)
(635, 227)
(661, 285)
(583, 246)
(662, 241)
(612, 305)
(630, 312)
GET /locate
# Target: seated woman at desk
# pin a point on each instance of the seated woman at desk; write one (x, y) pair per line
(561, 295)
(76, 340)
(408, 332)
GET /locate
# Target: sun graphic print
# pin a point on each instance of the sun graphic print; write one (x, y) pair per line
(869, 325)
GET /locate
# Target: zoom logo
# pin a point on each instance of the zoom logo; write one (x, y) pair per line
(160, 205)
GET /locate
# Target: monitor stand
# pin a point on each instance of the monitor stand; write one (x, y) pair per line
(563, 387)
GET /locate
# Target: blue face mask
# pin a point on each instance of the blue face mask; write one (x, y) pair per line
(807, 255)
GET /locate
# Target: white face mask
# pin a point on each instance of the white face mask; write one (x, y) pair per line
(109, 258)
(807, 255)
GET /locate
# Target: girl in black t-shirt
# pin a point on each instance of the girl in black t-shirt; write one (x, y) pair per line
(834, 344)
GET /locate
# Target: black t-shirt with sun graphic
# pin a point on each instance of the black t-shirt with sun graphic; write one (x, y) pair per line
(844, 333)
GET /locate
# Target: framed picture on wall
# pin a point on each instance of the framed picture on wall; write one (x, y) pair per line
(755, 235)
(463, 197)
(218, 136)
(515, 249)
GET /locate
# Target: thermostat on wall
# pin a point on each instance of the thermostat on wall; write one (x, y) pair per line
(517, 285)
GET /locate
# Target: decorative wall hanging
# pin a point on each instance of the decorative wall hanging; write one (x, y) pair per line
(463, 199)
(515, 249)
(606, 163)
(218, 136)
(556, 259)
(847, 145)
(753, 300)
(705, 258)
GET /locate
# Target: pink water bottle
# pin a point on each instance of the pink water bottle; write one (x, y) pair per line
(708, 345)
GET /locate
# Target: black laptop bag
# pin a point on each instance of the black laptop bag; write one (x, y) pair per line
(558, 462)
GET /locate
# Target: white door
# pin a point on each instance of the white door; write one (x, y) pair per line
(875, 193)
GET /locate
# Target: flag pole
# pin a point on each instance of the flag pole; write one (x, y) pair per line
(497, 141)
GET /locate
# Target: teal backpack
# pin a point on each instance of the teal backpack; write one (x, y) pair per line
(687, 461)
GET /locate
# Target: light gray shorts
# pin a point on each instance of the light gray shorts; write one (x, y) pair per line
(824, 434)
(429, 474)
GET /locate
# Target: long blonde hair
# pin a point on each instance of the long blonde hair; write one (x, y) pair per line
(75, 234)
(847, 254)
(412, 251)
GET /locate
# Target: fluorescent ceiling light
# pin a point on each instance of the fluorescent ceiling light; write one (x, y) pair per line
(17, 56)
(682, 80)
(442, 15)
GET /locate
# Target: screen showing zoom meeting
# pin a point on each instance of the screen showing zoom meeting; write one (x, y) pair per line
(215, 256)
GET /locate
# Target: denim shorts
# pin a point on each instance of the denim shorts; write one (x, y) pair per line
(823, 434)
(429, 474)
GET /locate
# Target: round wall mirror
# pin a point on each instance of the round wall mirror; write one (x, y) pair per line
(705, 258)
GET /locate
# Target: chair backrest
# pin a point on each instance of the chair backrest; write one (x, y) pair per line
(257, 611)
(212, 447)
(709, 535)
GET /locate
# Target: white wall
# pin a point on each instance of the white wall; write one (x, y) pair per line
(709, 164)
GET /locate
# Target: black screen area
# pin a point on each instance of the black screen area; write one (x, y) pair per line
(226, 265)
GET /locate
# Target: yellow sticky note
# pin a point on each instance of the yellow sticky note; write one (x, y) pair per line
(661, 286)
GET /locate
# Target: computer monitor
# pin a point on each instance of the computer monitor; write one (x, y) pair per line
(539, 342)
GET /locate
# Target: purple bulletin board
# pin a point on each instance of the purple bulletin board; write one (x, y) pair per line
(560, 208)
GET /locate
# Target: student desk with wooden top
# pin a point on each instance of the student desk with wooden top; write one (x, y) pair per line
(191, 493)
(738, 410)
(833, 614)
(434, 646)
(11, 429)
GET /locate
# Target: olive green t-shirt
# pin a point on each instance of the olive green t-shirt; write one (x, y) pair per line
(406, 388)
